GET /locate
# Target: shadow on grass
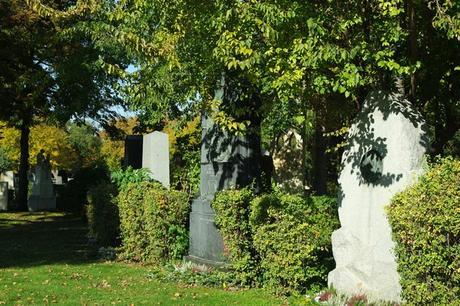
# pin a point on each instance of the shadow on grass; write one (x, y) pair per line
(33, 239)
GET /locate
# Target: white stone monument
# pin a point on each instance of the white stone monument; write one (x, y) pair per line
(8, 176)
(42, 197)
(155, 156)
(3, 196)
(386, 151)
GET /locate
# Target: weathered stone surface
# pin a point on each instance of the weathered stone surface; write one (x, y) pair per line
(3, 196)
(42, 197)
(385, 154)
(286, 161)
(155, 156)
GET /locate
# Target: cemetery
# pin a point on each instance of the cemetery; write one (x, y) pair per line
(229, 152)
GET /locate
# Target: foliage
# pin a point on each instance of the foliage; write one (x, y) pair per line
(112, 137)
(51, 138)
(153, 222)
(86, 143)
(292, 237)
(277, 240)
(123, 178)
(232, 218)
(5, 161)
(425, 219)
(102, 214)
(184, 150)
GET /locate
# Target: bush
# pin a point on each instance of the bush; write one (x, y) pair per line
(292, 236)
(153, 222)
(102, 214)
(232, 218)
(425, 219)
(277, 240)
(123, 178)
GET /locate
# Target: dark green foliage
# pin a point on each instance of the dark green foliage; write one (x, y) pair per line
(102, 214)
(425, 219)
(153, 222)
(72, 197)
(277, 240)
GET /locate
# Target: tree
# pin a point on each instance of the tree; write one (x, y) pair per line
(50, 69)
(298, 56)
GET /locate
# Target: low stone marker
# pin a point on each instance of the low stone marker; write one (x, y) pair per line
(385, 154)
(3, 196)
(42, 197)
(155, 156)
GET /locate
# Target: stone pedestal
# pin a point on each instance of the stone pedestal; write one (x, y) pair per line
(3, 196)
(384, 155)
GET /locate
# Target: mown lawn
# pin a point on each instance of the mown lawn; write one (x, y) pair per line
(44, 259)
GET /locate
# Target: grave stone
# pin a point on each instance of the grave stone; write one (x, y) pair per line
(133, 151)
(42, 196)
(385, 154)
(8, 176)
(226, 161)
(3, 196)
(155, 156)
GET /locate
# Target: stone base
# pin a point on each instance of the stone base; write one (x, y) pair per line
(37, 203)
(363, 269)
(206, 243)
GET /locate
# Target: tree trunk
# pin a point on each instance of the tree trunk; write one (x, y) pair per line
(412, 46)
(320, 160)
(24, 166)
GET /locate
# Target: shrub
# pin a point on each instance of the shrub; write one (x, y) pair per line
(102, 214)
(232, 219)
(425, 219)
(292, 238)
(123, 178)
(277, 240)
(153, 222)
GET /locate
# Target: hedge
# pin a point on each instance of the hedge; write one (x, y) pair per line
(425, 220)
(153, 222)
(277, 240)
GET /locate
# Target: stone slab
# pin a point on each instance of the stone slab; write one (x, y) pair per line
(133, 151)
(155, 156)
(385, 154)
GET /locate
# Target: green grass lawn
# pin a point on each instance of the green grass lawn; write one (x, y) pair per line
(44, 260)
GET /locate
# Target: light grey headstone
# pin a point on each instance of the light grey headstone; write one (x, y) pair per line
(8, 176)
(385, 154)
(42, 196)
(3, 196)
(155, 156)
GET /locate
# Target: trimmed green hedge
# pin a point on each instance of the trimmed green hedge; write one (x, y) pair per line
(102, 214)
(277, 240)
(153, 222)
(425, 219)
